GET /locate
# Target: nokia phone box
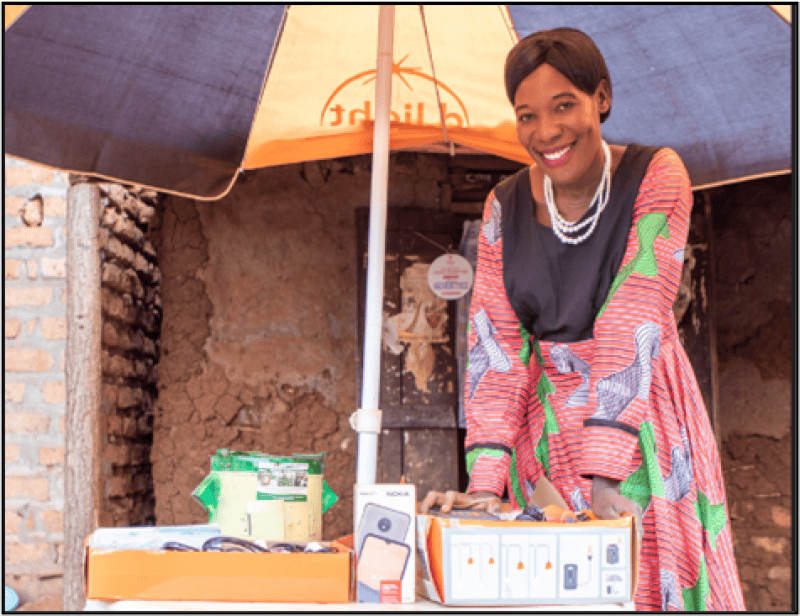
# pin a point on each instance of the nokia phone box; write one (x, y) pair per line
(384, 523)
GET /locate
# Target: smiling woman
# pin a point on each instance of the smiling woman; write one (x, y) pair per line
(586, 383)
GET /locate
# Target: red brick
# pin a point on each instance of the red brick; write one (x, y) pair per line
(14, 391)
(11, 453)
(36, 237)
(128, 397)
(118, 486)
(26, 553)
(12, 269)
(28, 360)
(114, 305)
(28, 423)
(11, 522)
(30, 296)
(14, 205)
(53, 521)
(108, 400)
(110, 337)
(29, 174)
(116, 455)
(54, 268)
(27, 487)
(12, 328)
(55, 206)
(54, 328)
(51, 455)
(54, 392)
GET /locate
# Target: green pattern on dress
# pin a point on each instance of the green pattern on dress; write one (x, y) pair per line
(694, 597)
(525, 351)
(513, 477)
(646, 481)
(712, 517)
(649, 227)
(472, 456)
(543, 389)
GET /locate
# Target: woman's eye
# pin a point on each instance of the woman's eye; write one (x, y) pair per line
(563, 106)
(525, 117)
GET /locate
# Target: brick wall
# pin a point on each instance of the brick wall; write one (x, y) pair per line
(34, 398)
(131, 315)
(35, 343)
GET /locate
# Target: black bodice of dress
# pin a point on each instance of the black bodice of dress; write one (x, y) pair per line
(556, 289)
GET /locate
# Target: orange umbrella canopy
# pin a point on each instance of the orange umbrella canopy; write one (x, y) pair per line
(182, 97)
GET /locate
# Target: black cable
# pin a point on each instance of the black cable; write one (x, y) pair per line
(218, 544)
(177, 546)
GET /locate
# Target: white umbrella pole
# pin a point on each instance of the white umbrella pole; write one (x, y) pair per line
(368, 422)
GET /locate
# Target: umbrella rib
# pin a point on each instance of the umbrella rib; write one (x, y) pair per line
(435, 81)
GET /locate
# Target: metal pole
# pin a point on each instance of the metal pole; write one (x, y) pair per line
(370, 390)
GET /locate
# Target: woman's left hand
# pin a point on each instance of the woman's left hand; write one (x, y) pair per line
(609, 504)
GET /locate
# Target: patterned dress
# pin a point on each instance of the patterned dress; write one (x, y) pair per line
(623, 403)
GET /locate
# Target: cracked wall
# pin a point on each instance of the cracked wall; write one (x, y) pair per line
(259, 325)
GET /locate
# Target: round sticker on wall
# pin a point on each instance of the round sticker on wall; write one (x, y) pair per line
(450, 276)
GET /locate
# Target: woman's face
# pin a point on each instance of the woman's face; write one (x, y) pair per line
(559, 126)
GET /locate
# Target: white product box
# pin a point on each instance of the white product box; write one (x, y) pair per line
(495, 563)
(384, 539)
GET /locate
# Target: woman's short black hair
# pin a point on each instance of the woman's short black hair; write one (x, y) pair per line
(571, 52)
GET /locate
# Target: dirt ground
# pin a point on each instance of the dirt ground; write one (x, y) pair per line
(758, 480)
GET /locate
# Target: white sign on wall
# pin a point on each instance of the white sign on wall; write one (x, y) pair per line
(450, 276)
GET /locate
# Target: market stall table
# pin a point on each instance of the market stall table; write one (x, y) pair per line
(421, 605)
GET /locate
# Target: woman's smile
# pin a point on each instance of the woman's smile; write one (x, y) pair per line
(555, 158)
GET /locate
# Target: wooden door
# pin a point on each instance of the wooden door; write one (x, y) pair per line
(420, 440)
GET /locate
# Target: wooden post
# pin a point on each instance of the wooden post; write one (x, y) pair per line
(82, 368)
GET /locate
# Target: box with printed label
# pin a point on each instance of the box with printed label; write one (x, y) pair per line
(487, 562)
(384, 522)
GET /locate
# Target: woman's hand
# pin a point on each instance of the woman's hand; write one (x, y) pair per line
(609, 504)
(479, 501)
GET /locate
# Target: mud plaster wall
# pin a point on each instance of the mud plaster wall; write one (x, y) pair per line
(754, 272)
(258, 339)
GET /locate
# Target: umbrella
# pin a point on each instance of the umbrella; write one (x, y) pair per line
(183, 97)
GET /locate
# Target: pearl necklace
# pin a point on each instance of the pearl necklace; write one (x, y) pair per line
(562, 227)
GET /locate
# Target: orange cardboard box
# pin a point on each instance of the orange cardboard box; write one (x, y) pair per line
(162, 575)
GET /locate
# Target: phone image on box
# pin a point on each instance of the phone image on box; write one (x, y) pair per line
(381, 559)
(382, 522)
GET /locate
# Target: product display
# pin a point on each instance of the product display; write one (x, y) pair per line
(384, 540)
(199, 564)
(512, 561)
(254, 495)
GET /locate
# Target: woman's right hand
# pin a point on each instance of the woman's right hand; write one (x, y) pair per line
(479, 501)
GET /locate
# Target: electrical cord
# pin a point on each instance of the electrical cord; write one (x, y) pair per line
(217, 544)
(224, 543)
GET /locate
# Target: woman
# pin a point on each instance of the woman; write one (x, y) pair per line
(576, 369)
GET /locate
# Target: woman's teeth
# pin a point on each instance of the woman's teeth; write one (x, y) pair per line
(556, 155)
